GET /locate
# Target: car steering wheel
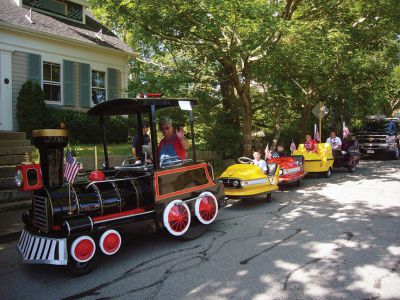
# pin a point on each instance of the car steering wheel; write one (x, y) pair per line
(173, 160)
(245, 160)
(133, 161)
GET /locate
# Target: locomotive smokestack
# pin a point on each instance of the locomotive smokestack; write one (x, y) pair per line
(51, 144)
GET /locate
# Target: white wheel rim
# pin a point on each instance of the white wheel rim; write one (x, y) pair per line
(167, 220)
(104, 236)
(76, 242)
(197, 208)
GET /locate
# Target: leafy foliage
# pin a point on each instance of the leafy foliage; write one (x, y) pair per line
(75, 121)
(263, 65)
(31, 108)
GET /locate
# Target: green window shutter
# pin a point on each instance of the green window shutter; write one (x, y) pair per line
(111, 83)
(35, 68)
(68, 82)
(84, 88)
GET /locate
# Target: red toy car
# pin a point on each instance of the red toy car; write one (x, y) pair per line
(291, 169)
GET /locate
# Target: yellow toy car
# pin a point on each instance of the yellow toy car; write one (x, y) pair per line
(317, 162)
(247, 181)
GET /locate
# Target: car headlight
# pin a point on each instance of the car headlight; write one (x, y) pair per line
(236, 183)
(282, 172)
(19, 178)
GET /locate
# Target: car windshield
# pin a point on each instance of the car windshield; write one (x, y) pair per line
(380, 126)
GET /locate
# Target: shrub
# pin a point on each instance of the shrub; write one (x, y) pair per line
(31, 108)
(85, 129)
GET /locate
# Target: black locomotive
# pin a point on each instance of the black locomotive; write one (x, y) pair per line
(72, 224)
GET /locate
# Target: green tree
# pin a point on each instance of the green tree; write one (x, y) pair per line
(232, 35)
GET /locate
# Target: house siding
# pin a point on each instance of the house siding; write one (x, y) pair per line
(19, 76)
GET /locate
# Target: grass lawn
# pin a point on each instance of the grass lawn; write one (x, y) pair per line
(113, 149)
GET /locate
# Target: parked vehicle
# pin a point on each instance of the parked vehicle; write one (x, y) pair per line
(73, 224)
(317, 162)
(291, 169)
(380, 135)
(247, 181)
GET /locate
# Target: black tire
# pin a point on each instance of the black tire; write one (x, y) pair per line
(352, 168)
(328, 173)
(75, 268)
(269, 197)
(298, 182)
(195, 231)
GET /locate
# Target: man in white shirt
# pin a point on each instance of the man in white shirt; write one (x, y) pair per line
(335, 141)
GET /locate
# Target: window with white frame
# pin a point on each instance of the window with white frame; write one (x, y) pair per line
(52, 81)
(98, 87)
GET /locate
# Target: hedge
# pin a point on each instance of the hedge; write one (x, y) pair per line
(86, 129)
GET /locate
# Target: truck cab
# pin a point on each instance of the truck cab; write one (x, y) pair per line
(380, 135)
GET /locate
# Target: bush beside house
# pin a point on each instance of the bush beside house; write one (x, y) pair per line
(31, 108)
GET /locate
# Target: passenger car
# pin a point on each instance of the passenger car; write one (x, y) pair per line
(291, 169)
(348, 157)
(72, 224)
(247, 181)
(317, 162)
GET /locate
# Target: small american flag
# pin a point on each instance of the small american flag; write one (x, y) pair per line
(316, 133)
(345, 130)
(268, 154)
(292, 146)
(71, 168)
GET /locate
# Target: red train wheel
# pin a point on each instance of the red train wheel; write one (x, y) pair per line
(206, 208)
(177, 217)
(83, 249)
(110, 242)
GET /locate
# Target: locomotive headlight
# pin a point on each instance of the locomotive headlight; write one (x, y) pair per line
(220, 181)
(19, 178)
(235, 183)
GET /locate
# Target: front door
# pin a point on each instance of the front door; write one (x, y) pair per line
(5, 91)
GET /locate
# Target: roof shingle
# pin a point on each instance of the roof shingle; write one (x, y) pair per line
(11, 13)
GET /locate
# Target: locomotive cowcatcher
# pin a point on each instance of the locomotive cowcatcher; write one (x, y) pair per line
(72, 224)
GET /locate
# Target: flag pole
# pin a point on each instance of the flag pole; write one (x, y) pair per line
(95, 158)
(69, 199)
(320, 121)
(344, 125)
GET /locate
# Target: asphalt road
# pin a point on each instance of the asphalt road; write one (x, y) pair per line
(336, 238)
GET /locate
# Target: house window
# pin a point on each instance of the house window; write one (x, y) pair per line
(98, 87)
(66, 9)
(51, 82)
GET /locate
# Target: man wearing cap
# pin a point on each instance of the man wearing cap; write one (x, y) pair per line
(174, 143)
(136, 142)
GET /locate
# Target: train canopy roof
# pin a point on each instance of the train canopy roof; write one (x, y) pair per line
(126, 106)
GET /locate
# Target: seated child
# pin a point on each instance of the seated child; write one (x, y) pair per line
(279, 152)
(310, 144)
(257, 161)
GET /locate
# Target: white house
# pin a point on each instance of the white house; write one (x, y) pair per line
(58, 43)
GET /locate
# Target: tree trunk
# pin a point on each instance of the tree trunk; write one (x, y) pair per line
(229, 100)
(243, 91)
(278, 126)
